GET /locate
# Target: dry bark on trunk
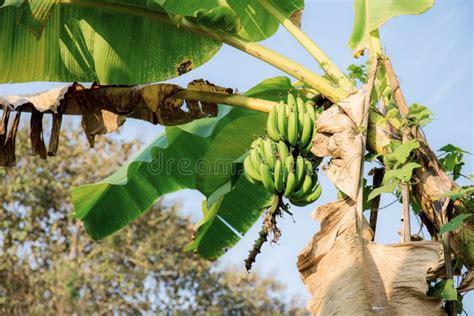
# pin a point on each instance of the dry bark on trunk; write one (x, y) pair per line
(345, 272)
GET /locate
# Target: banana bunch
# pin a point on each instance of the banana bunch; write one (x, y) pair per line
(293, 123)
(272, 164)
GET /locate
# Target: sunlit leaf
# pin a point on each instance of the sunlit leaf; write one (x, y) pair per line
(371, 15)
(454, 224)
(118, 41)
(388, 188)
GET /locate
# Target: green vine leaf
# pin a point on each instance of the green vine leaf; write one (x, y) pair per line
(454, 224)
(418, 115)
(449, 293)
(404, 173)
(399, 152)
(387, 188)
(358, 72)
(452, 162)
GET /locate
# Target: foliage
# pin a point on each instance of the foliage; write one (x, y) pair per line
(200, 155)
(454, 224)
(76, 43)
(452, 160)
(371, 15)
(358, 72)
(399, 167)
(445, 290)
(49, 266)
(418, 115)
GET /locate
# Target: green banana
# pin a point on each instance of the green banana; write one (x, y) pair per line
(284, 173)
(293, 128)
(250, 170)
(305, 188)
(283, 151)
(290, 184)
(291, 101)
(267, 178)
(310, 143)
(308, 199)
(310, 110)
(300, 171)
(282, 121)
(314, 195)
(269, 153)
(301, 112)
(309, 168)
(307, 131)
(297, 202)
(254, 158)
(261, 149)
(290, 163)
(278, 176)
(272, 124)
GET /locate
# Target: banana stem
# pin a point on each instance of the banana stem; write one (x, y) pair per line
(336, 75)
(229, 99)
(267, 55)
(375, 47)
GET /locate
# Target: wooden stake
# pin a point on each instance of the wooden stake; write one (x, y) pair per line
(374, 209)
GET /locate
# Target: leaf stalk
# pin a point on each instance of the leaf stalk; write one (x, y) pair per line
(334, 73)
(222, 98)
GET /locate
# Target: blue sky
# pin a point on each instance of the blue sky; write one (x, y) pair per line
(432, 55)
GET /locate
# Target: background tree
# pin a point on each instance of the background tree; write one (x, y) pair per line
(48, 264)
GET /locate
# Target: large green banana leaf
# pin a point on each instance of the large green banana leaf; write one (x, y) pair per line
(119, 41)
(109, 205)
(166, 165)
(372, 14)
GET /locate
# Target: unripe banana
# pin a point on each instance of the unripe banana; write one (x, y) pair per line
(305, 188)
(297, 202)
(250, 179)
(310, 143)
(278, 176)
(308, 183)
(307, 131)
(272, 125)
(301, 113)
(291, 101)
(254, 158)
(308, 199)
(282, 120)
(314, 195)
(283, 151)
(309, 168)
(284, 173)
(290, 184)
(299, 171)
(289, 163)
(267, 178)
(261, 149)
(269, 153)
(293, 128)
(250, 171)
(310, 110)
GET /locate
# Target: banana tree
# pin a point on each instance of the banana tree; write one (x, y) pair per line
(255, 153)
